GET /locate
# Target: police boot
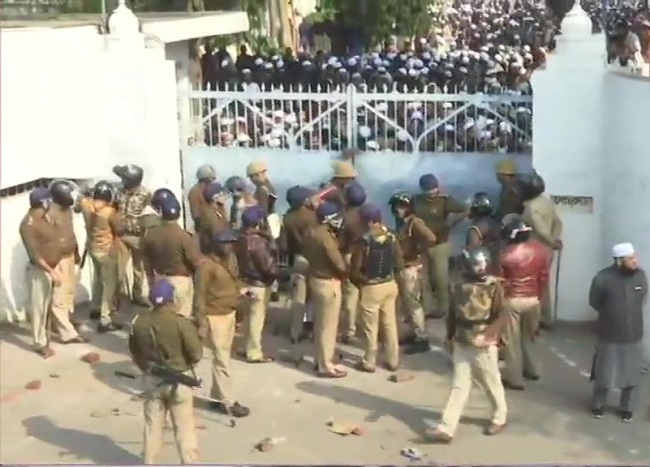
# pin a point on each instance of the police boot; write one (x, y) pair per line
(420, 345)
(95, 315)
(236, 410)
(103, 328)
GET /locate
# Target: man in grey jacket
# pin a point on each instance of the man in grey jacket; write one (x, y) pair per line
(618, 294)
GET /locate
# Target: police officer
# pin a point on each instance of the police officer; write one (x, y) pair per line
(265, 193)
(150, 216)
(509, 198)
(353, 231)
(474, 322)
(131, 202)
(484, 230)
(298, 220)
(415, 240)
(344, 173)
(540, 214)
(375, 263)
(241, 198)
(65, 196)
(105, 228)
(170, 252)
(214, 217)
(42, 241)
(164, 337)
(218, 292)
(327, 268)
(258, 269)
(204, 176)
(435, 208)
(524, 267)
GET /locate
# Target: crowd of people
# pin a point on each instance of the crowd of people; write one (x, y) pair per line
(353, 280)
(483, 47)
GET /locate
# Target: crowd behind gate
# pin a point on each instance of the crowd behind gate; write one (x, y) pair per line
(351, 281)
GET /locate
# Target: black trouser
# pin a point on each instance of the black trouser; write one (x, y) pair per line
(627, 401)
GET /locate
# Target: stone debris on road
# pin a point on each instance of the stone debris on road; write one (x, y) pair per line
(401, 376)
(345, 428)
(54, 376)
(91, 357)
(34, 385)
(411, 454)
(267, 444)
(114, 412)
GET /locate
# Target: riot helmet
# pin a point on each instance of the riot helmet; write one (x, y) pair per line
(40, 198)
(328, 213)
(253, 216)
(401, 201)
(206, 173)
(223, 242)
(480, 205)
(530, 185)
(130, 174)
(170, 209)
(160, 195)
(516, 231)
(236, 185)
(475, 261)
(104, 191)
(214, 191)
(355, 194)
(65, 193)
(298, 195)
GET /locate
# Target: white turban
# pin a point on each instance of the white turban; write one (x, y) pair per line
(622, 250)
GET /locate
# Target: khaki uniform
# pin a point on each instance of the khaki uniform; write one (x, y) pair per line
(163, 336)
(197, 203)
(130, 206)
(326, 269)
(415, 240)
(434, 211)
(476, 308)
(352, 233)
(378, 294)
(296, 224)
(104, 228)
(265, 196)
(43, 240)
(213, 219)
(541, 215)
(170, 252)
(509, 202)
(522, 326)
(62, 217)
(218, 292)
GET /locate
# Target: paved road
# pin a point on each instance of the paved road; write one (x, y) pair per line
(84, 414)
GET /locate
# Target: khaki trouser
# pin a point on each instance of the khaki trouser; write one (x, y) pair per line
(412, 287)
(482, 365)
(64, 298)
(298, 303)
(183, 293)
(221, 335)
(378, 311)
(547, 304)
(438, 272)
(105, 284)
(178, 402)
(326, 295)
(520, 339)
(254, 318)
(42, 295)
(96, 287)
(350, 306)
(133, 244)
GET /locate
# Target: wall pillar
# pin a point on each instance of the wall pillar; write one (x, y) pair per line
(568, 121)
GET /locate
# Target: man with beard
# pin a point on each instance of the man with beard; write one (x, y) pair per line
(618, 294)
(264, 189)
(485, 230)
(540, 214)
(524, 267)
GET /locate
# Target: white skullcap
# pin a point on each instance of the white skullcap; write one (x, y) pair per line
(622, 250)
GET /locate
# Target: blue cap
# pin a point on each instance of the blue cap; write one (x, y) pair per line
(428, 182)
(162, 292)
(213, 190)
(355, 194)
(326, 209)
(225, 236)
(252, 216)
(297, 195)
(370, 213)
(39, 195)
(236, 183)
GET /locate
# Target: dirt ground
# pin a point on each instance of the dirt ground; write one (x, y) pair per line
(85, 414)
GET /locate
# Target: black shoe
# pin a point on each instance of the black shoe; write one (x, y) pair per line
(408, 340)
(597, 413)
(419, 346)
(530, 377)
(236, 410)
(104, 328)
(626, 416)
(95, 315)
(76, 340)
(514, 387)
